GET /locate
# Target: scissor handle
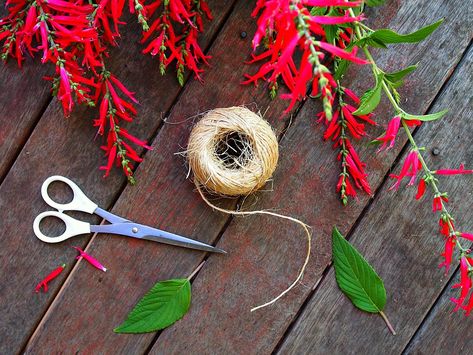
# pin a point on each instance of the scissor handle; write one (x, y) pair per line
(80, 202)
(73, 227)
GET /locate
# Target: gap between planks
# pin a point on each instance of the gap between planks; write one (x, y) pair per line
(120, 190)
(361, 216)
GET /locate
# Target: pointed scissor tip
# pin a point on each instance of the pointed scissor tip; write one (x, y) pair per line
(221, 251)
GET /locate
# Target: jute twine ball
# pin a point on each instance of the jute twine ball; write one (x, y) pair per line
(232, 151)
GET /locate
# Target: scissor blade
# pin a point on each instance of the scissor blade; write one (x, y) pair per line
(140, 231)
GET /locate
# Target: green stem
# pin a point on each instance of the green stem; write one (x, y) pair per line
(428, 173)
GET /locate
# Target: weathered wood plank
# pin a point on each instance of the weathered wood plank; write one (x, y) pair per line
(60, 146)
(399, 236)
(443, 332)
(163, 198)
(23, 94)
(264, 254)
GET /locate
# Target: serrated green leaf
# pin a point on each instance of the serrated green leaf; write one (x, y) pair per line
(388, 36)
(371, 98)
(355, 277)
(399, 75)
(167, 302)
(373, 3)
(425, 118)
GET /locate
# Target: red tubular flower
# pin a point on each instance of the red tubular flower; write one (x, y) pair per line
(420, 189)
(444, 223)
(448, 253)
(459, 171)
(468, 236)
(464, 285)
(437, 203)
(410, 168)
(44, 283)
(390, 136)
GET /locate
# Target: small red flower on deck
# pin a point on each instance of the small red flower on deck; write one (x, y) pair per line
(44, 283)
(94, 262)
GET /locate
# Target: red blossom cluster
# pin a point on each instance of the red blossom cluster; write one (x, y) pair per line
(296, 44)
(76, 36)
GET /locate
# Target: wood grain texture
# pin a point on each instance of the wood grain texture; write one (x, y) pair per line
(163, 198)
(66, 147)
(23, 96)
(265, 254)
(443, 331)
(399, 237)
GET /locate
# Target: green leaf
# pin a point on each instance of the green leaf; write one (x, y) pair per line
(373, 3)
(370, 99)
(389, 36)
(342, 66)
(399, 75)
(167, 302)
(425, 118)
(355, 277)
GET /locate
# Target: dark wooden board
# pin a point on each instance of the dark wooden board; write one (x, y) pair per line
(443, 331)
(399, 237)
(24, 95)
(265, 253)
(162, 198)
(66, 147)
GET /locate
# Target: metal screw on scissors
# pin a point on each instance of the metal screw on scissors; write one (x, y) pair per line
(118, 225)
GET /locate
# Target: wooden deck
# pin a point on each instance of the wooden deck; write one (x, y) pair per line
(397, 236)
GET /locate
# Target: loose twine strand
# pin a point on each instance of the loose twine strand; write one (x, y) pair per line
(234, 152)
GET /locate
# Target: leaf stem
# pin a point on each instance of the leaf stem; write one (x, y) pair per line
(388, 323)
(197, 269)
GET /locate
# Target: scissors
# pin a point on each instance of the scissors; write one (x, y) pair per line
(118, 225)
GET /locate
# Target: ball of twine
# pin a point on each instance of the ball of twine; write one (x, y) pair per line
(232, 151)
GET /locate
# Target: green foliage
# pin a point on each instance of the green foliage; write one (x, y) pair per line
(167, 302)
(399, 75)
(371, 98)
(425, 118)
(387, 36)
(374, 3)
(355, 277)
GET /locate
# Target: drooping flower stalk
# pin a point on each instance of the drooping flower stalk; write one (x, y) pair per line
(414, 164)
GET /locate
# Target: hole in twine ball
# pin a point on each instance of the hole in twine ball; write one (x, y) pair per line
(232, 151)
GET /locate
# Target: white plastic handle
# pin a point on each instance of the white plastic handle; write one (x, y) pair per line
(80, 202)
(73, 227)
